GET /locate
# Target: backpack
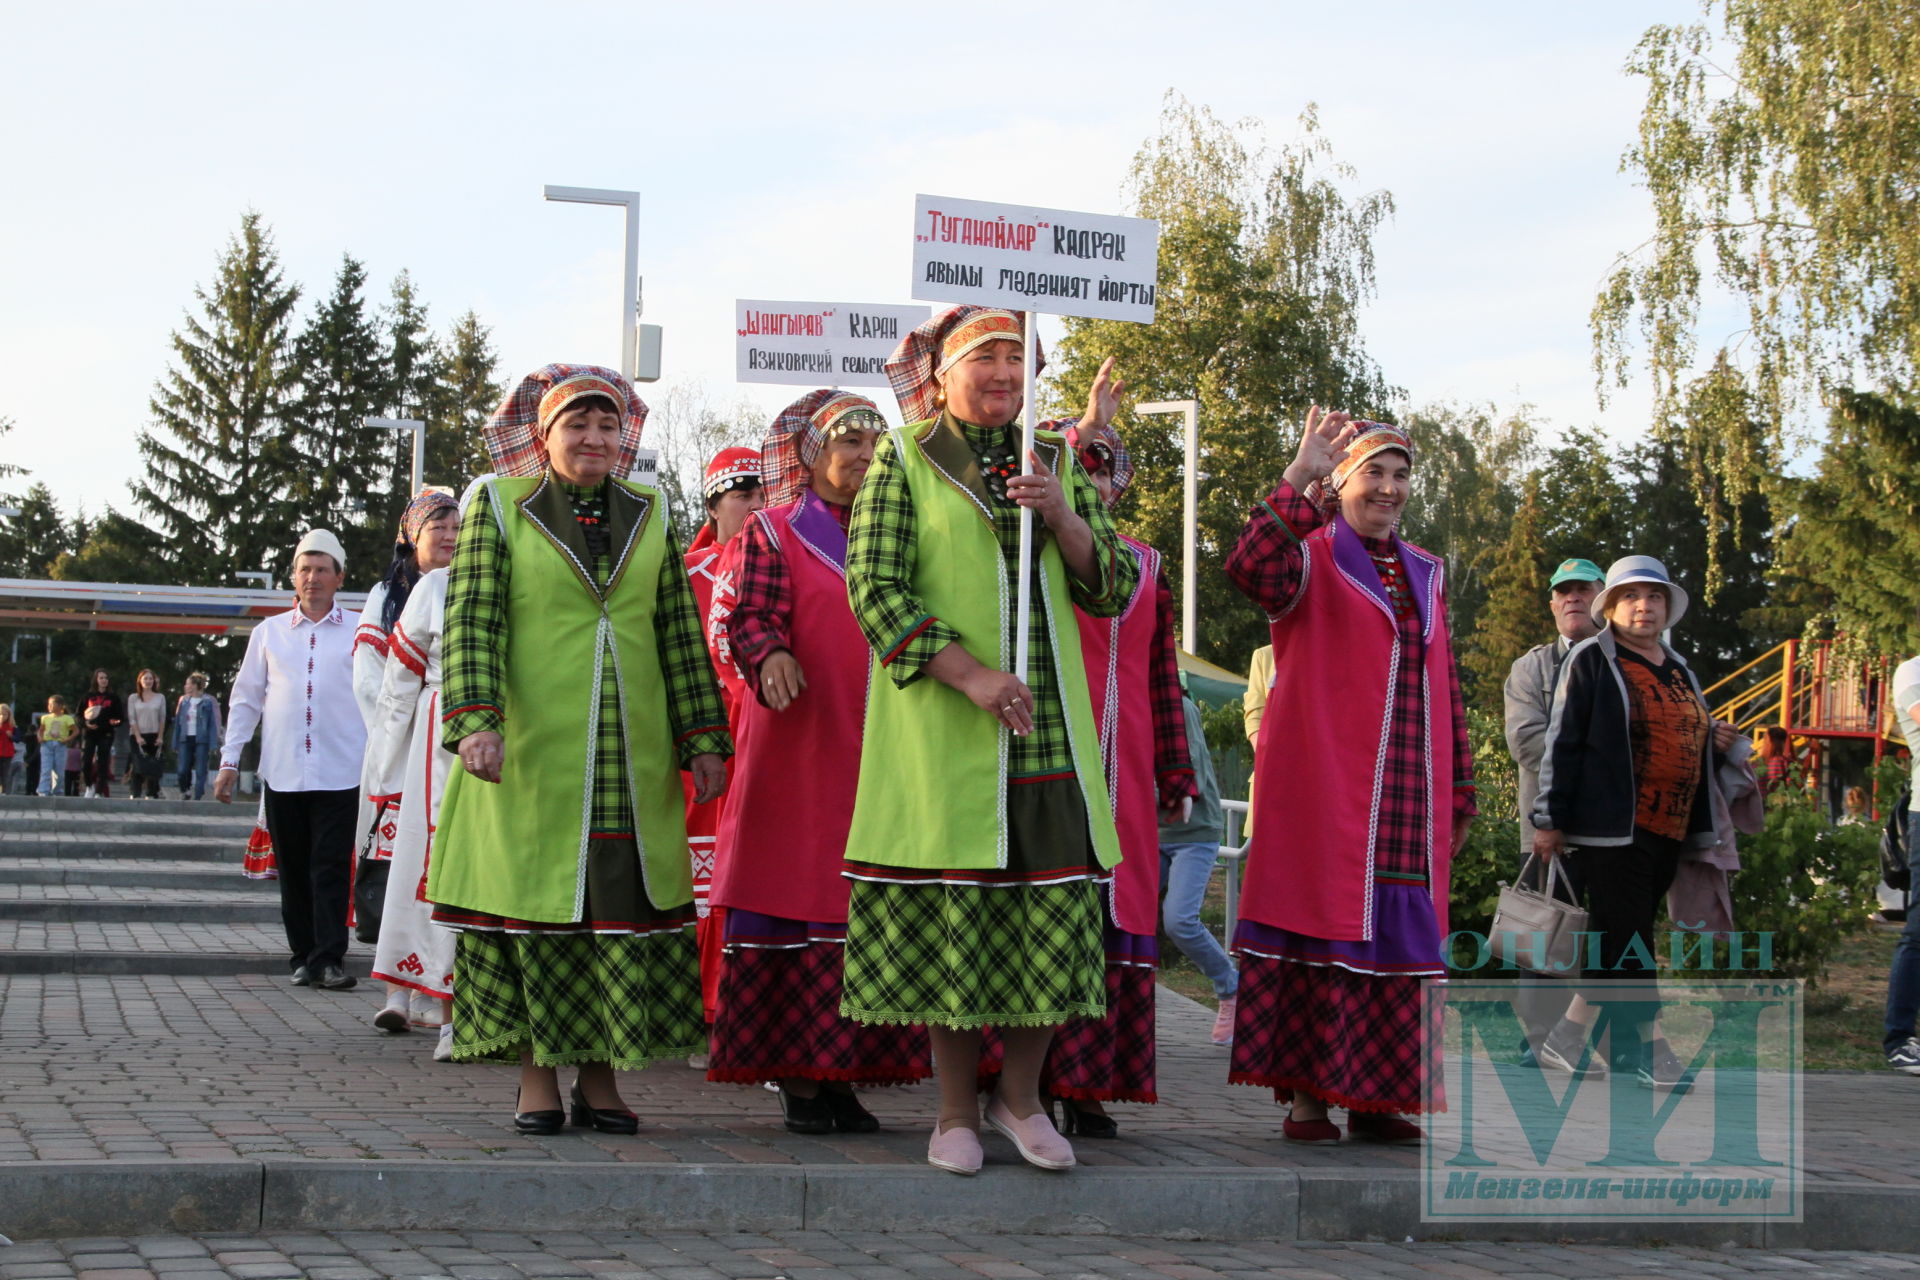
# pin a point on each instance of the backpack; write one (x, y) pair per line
(1894, 868)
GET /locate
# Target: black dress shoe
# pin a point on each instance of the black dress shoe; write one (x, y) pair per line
(539, 1123)
(806, 1115)
(848, 1115)
(1077, 1122)
(301, 978)
(335, 978)
(602, 1119)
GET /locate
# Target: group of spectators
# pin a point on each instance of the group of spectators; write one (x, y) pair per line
(82, 746)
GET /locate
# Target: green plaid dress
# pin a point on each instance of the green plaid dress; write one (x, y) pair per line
(621, 985)
(1020, 946)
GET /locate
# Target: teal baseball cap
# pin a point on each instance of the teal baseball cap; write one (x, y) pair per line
(1576, 571)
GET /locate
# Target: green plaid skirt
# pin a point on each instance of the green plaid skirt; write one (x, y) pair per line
(624, 999)
(969, 955)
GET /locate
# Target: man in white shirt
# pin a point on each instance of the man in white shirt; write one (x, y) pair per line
(1903, 981)
(296, 686)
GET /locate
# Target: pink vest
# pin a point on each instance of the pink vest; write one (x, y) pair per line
(1119, 656)
(1323, 741)
(783, 834)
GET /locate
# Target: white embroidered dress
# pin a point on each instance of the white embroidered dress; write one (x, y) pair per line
(370, 648)
(404, 755)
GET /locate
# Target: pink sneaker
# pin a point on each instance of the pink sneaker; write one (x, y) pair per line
(1223, 1021)
(1039, 1142)
(957, 1150)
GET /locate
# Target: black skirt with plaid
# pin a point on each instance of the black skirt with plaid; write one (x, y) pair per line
(620, 986)
(779, 1012)
(1014, 947)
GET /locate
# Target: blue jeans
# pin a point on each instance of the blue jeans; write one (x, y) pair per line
(193, 766)
(1903, 980)
(53, 767)
(1185, 870)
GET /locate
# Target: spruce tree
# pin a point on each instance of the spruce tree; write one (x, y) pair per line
(346, 477)
(217, 466)
(1514, 617)
(466, 392)
(31, 541)
(413, 362)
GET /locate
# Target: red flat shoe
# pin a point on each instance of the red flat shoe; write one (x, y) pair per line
(1380, 1126)
(1317, 1133)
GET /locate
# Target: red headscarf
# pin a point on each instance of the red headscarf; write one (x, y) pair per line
(794, 440)
(936, 344)
(516, 434)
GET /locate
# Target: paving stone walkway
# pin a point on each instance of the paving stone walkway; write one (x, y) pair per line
(821, 1255)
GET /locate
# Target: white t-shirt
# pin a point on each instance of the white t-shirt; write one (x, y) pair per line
(1906, 692)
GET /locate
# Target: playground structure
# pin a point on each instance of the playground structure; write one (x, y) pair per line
(1814, 697)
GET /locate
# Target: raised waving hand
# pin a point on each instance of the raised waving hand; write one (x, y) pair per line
(1323, 444)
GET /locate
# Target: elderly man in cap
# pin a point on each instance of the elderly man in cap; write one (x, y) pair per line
(296, 686)
(1529, 687)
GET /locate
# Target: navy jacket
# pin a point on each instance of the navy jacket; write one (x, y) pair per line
(1587, 787)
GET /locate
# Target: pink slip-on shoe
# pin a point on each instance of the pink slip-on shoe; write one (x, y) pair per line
(1223, 1021)
(1039, 1142)
(957, 1150)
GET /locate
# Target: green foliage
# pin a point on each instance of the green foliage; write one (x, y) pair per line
(1807, 882)
(1492, 853)
(1264, 261)
(1226, 730)
(1854, 539)
(31, 541)
(466, 391)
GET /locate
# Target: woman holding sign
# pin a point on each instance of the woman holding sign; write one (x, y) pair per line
(982, 827)
(1365, 770)
(783, 838)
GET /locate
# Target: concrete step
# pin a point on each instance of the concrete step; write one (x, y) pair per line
(131, 873)
(71, 847)
(136, 826)
(90, 904)
(246, 805)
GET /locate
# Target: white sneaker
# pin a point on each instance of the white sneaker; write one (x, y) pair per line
(443, 1051)
(88, 794)
(697, 1061)
(1223, 1020)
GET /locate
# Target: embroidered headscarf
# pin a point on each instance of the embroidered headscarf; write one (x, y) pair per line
(1370, 439)
(737, 467)
(403, 571)
(1094, 448)
(937, 344)
(795, 439)
(516, 434)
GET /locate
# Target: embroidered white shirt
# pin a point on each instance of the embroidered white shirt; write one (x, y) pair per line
(296, 686)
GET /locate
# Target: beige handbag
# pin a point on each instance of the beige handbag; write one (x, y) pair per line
(1538, 931)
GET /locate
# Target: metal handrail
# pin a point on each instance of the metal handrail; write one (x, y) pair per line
(1737, 673)
(1233, 852)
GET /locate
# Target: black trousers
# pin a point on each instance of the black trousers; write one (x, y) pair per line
(313, 845)
(1623, 886)
(96, 761)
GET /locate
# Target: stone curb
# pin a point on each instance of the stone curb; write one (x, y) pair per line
(67, 1199)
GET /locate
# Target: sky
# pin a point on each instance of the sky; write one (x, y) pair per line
(778, 149)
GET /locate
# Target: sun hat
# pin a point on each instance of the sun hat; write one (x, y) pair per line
(1631, 569)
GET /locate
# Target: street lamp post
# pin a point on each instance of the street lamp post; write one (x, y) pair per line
(1190, 517)
(639, 343)
(418, 429)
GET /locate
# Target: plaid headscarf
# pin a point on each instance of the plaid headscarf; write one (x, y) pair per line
(1096, 447)
(794, 440)
(426, 504)
(516, 433)
(1372, 438)
(930, 349)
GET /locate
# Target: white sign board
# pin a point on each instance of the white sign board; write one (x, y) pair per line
(646, 467)
(1027, 259)
(819, 344)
